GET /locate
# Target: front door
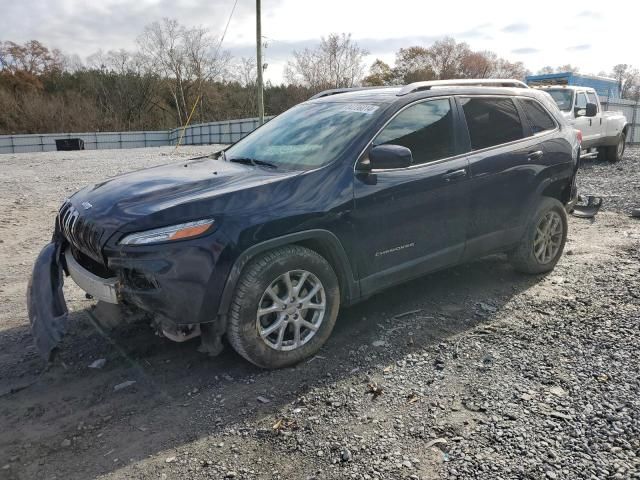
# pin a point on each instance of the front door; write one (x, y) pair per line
(587, 125)
(412, 220)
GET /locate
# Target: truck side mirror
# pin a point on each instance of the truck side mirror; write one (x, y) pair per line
(591, 110)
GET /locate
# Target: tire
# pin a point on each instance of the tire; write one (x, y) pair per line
(270, 270)
(524, 257)
(615, 153)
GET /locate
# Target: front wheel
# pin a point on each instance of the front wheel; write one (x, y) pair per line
(284, 308)
(615, 153)
(543, 242)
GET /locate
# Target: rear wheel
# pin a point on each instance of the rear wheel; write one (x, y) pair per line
(284, 308)
(543, 242)
(615, 153)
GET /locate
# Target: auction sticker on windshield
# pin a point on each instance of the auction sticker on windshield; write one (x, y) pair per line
(360, 108)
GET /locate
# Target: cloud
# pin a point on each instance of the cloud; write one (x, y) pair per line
(477, 32)
(85, 27)
(278, 49)
(525, 50)
(581, 47)
(589, 14)
(516, 28)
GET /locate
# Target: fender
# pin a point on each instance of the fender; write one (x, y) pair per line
(350, 289)
(551, 187)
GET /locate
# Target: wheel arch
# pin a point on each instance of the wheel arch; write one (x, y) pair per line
(558, 188)
(625, 130)
(322, 242)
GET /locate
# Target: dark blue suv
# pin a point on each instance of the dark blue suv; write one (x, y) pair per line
(333, 201)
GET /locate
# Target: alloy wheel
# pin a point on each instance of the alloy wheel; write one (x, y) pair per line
(291, 310)
(548, 237)
(621, 145)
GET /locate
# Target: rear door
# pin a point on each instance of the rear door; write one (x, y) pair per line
(503, 163)
(413, 220)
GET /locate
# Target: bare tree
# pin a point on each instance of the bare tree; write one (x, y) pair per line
(505, 69)
(629, 79)
(380, 73)
(446, 57)
(477, 64)
(413, 64)
(125, 86)
(337, 62)
(244, 72)
(188, 56)
(546, 70)
(31, 57)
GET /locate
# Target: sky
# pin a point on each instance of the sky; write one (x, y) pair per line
(584, 33)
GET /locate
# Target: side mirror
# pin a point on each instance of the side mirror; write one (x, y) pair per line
(592, 109)
(390, 156)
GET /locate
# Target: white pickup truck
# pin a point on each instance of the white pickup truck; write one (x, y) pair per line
(603, 133)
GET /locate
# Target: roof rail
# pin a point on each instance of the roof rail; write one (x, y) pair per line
(335, 91)
(463, 82)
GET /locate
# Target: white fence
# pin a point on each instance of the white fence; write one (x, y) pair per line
(631, 110)
(92, 141)
(229, 131)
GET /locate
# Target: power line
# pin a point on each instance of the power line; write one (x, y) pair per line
(215, 57)
(260, 86)
(224, 33)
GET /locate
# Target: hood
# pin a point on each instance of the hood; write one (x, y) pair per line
(568, 116)
(143, 193)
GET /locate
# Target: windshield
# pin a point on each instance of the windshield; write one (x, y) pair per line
(305, 137)
(563, 98)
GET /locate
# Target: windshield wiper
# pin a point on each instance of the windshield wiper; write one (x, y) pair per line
(252, 161)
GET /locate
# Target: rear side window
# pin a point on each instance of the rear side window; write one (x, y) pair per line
(538, 118)
(424, 128)
(491, 121)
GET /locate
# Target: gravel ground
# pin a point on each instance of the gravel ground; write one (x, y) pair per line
(475, 372)
(617, 184)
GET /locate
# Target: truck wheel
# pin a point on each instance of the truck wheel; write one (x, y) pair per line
(284, 307)
(615, 152)
(544, 239)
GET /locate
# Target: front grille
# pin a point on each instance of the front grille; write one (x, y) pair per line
(79, 232)
(97, 268)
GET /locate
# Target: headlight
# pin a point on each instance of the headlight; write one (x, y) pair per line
(168, 234)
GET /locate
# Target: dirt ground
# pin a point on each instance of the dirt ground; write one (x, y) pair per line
(473, 372)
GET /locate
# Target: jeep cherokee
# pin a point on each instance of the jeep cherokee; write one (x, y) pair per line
(336, 199)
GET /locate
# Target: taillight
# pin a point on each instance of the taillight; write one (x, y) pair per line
(579, 136)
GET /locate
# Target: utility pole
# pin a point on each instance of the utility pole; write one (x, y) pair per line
(259, 60)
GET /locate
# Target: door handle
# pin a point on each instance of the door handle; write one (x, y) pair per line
(454, 174)
(536, 155)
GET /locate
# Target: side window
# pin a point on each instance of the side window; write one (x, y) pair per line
(491, 121)
(425, 128)
(593, 99)
(581, 100)
(538, 118)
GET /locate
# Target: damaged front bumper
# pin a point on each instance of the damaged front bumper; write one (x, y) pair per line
(46, 306)
(175, 284)
(102, 289)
